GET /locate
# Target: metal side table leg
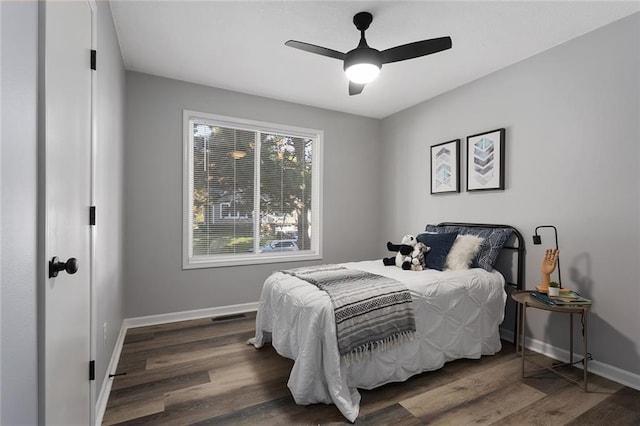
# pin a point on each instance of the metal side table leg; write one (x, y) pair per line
(518, 324)
(523, 327)
(571, 339)
(585, 354)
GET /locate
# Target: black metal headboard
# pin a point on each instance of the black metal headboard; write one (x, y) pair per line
(518, 248)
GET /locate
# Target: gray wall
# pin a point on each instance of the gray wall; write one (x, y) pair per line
(572, 152)
(109, 190)
(155, 281)
(18, 326)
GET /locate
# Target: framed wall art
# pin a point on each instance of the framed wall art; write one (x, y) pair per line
(485, 160)
(445, 167)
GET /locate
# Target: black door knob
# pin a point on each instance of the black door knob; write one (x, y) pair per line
(55, 266)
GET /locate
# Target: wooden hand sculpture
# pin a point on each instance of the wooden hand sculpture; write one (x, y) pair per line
(547, 266)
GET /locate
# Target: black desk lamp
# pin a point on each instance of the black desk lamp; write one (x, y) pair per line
(537, 240)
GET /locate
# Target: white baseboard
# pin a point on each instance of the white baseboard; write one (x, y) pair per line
(506, 335)
(607, 371)
(105, 389)
(190, 315)
(127, 323)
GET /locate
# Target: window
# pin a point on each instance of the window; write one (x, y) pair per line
(251, 192)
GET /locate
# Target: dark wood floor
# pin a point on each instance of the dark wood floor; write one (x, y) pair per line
(203, 372)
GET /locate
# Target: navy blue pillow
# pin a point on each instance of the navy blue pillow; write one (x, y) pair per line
(440, 245)
(494, 240)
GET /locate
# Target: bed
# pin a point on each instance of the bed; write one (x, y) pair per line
(457, 315)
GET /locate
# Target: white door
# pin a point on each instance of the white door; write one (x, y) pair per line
(67, 186)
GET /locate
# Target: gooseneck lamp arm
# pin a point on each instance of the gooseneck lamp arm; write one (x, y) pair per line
(537, 240)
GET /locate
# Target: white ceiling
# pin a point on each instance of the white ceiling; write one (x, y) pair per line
(239, 45)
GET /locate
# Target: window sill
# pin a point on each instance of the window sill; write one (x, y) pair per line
(235, 260)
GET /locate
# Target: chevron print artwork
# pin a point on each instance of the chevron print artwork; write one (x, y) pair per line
(443, 168)
(445, 159)
(483, 160)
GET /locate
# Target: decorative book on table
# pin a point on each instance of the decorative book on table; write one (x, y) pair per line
(570, 298)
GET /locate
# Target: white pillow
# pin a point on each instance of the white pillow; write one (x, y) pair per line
(464, 250)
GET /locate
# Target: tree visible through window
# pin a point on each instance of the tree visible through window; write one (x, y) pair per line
(251, 191)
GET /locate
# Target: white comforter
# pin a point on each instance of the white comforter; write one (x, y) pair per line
(457, 316)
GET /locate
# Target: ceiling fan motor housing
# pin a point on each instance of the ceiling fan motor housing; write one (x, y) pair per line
(363, 55)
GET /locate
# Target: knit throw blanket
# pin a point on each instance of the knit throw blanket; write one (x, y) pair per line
(372, 312)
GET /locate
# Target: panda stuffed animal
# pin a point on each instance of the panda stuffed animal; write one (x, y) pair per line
(402, 259)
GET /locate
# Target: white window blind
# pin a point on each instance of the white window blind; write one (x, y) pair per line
(251, 192)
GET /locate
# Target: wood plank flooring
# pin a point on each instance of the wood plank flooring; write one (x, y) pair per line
(203, 372)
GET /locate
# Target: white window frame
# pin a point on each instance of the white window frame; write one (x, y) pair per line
(220, 260)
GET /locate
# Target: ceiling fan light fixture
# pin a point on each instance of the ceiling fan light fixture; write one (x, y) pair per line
(362, 73)
(362, 65)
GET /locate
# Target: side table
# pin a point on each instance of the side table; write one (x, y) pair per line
(525, 300)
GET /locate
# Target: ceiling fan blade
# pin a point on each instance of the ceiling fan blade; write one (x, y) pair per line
(415, 49)
(318, 50)
(355, 88)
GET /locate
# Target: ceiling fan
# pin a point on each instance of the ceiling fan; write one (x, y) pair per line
(362, 64)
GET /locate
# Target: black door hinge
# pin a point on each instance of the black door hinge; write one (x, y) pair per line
(93, 59)
(92, 370)
(92, 215)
